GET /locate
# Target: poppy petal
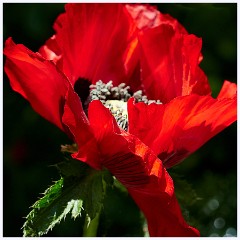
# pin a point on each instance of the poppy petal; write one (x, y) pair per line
(181, 126)
(169, 62)
(75, 119)
(147, 16)
(37, 80)
(51, 50)
(163, 215)
(138, 169)
(229, 90)
(96, 42)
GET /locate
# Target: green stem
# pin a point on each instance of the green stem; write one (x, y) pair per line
(91, 226)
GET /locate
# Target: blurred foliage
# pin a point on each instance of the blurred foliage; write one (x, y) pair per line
(32, 145)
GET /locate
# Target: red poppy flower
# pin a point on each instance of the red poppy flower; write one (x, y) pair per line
(148, 51)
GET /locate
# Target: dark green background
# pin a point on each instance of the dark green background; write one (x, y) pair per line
(31, 144)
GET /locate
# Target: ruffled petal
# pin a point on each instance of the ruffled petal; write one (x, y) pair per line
(75, 119)
(228, 90)
(169, 62)
(37, 80)
(147, 16)
(96, 42)
(50, 50)
(138, 168)
(163, 214)
(181, 126)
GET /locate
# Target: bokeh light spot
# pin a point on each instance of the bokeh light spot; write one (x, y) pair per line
(214, 235)
(219, 223)
(231, 232)
(213, 204)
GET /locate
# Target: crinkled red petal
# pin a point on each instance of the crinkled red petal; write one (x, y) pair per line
(75, 119)
(37, 80)
(147, 16)
(181, 126)
(228, 90)
(50, 50)
(138, 168)
(97, 42)
(169, 62)
(163, 214)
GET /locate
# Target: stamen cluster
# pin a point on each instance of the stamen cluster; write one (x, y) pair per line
(119, 111)
(139, 97)
(106, 91)
(115, 99)
(103, 92)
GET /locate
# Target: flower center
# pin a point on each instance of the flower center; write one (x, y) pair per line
(119, 111)
(106, 91)
(113, 97)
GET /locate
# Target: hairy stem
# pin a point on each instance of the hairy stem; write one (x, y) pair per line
(91, 226)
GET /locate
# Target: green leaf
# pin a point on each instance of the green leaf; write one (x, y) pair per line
(70, 195)
(76, 207)
(71, 167)
(119, 186)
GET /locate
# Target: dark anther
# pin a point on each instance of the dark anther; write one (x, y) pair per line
(81, 87)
